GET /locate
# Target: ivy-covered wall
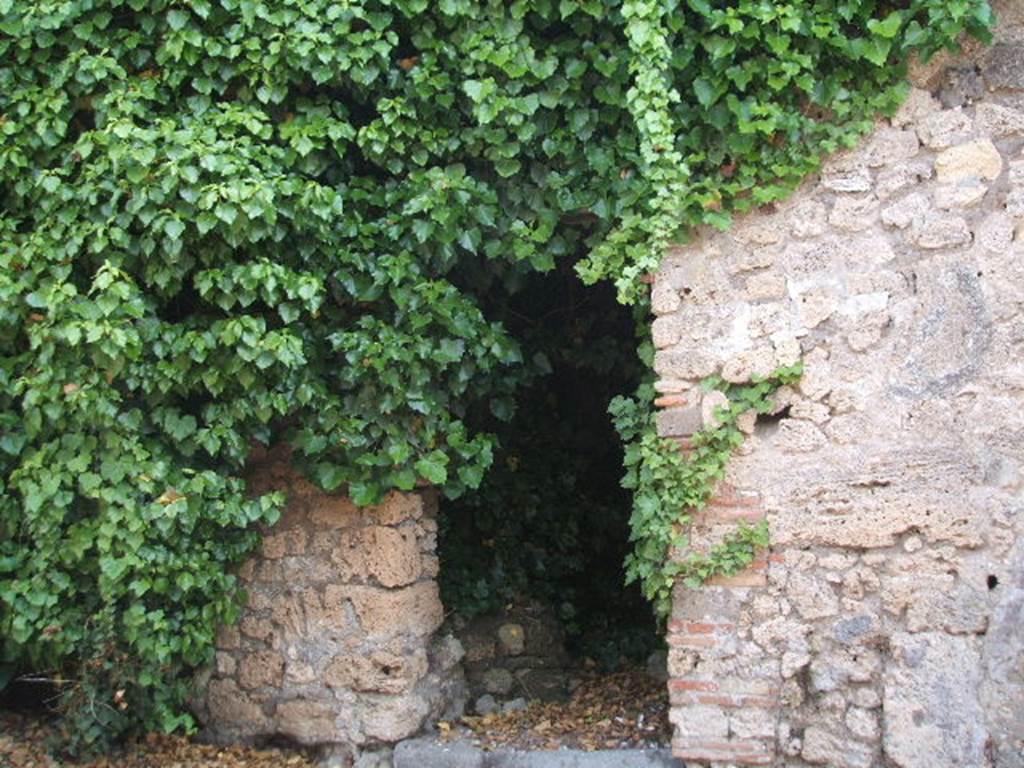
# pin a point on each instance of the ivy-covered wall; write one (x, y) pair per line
(882, 626)
(228, 223)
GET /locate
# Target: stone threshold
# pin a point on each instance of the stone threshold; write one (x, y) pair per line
(430, 753)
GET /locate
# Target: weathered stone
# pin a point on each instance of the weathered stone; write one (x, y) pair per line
(961, 86)
(415, 610)
(998, 120)
(823, 747)
(383, 671)
(891, 145)
(854, 214)
(398, 508)
(313, 638)
(799, 436)
(261, 668)
(903, 176)
(856, 178)
(963, 194)
(485, 705)
(709, 406)
(941, 130)
(935, 231)
(916, 108)
(1003, 67)
(392, 555)
(809, 219)
(664, 299)
(515, 705)
(812, 598)
(225, 664)
(933, 718)
(390, 719)
(498, 681)
(975, 159)
(752, 723)
(308, 722)
(232, 712)
(678, 422)
(512, 639)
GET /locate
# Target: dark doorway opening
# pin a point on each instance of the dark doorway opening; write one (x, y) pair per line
(538, 549)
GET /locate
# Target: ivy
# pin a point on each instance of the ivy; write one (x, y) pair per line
(236, 222)
(670, 484)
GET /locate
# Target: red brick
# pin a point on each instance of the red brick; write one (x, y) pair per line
(671, 401)
(682, 684)
(704, 627)
(716, 699)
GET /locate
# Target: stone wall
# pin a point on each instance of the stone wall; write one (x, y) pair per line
(885, 627)
(336, 645)
(518, 654)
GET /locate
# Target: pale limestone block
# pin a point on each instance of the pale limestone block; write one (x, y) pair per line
(754, 230)
(941, 130)
(918, 105)
(811, 411)
(855, 214)
(749, 260)
(809, 219)
(902, 176)
(709, 406)
(978, 158)
(765, 286)
(933, 718)
(664, 298)
(759, 361)
(865, 698)
(863, 723)
(998, 120)
(935, 231)
(787, 351)
(747, 422)
(666, 331)
(902, 213)
(1014, 204)
(853, 179)
(836, 750)
(700, 722)
(890, 145)
(962, 194)
(690, 364)
(816, 307)
(752, 723)
(389, 718)
(799, 436)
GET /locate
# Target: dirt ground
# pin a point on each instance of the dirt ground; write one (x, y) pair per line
(625, 709)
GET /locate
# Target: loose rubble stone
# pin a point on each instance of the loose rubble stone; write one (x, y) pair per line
(485, 705)
(512, 638)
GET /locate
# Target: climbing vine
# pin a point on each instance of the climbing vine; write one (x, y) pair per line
(236, 222)
(670, 484)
